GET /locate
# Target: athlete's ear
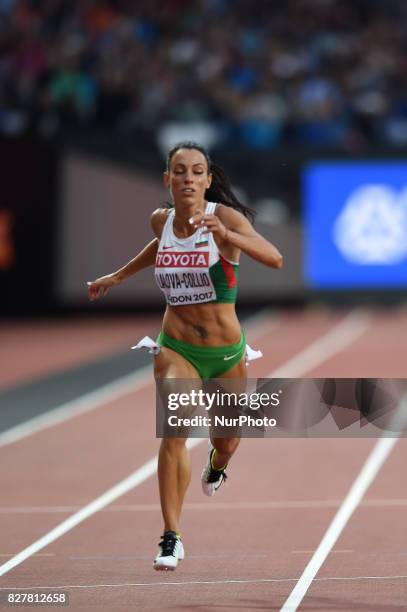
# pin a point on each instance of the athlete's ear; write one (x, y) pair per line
(166, 179)
(209, 180)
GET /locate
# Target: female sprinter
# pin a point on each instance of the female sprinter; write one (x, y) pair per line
(201, 335)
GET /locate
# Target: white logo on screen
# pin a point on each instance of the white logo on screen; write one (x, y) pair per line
(371, 229)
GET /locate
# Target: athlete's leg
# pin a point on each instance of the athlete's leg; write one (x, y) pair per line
(174, 466)
(226, 447)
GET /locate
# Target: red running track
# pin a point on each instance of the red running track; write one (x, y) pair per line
(32, 349)
(247, 547)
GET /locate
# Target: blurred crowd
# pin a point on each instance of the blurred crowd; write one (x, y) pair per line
(328, 73)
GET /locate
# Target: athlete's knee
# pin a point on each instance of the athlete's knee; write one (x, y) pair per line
(173, 445)
(226, 446)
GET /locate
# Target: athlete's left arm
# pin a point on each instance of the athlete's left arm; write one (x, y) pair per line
(230, 226)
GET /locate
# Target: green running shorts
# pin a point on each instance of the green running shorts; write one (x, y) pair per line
(209, 361)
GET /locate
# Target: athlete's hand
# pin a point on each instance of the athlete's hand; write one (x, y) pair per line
(101, 286)
(211, 223)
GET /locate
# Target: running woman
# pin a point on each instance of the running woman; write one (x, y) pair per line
(199, 236)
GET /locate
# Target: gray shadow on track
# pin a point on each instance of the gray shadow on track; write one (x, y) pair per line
(23, 402)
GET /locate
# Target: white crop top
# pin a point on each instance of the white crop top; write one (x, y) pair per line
(191, 270)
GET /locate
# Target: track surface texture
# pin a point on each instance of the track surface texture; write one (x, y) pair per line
(249, 546)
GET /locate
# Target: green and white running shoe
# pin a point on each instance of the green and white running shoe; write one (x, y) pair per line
(211, 479)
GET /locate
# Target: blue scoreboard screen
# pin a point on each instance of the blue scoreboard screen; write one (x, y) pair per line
(355, 225)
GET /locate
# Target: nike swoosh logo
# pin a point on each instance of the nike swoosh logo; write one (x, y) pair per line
(165, 248)
(231, 356)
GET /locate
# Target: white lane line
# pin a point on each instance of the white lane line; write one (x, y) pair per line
(198, 506)
(38, 555)
(126, 485)
(334, 341)
(366, 476)
(194, 582)
(134, 480)
(255, 326)
(309, 552)
(85, 403)
(214, 506)
(240, 556)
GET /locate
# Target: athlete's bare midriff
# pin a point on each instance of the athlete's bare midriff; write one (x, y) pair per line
(208, 324)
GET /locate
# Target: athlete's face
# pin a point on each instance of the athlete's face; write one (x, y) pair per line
(187, 177)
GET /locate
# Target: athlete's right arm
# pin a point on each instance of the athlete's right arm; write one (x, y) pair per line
(158, 219)
(144, 259)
